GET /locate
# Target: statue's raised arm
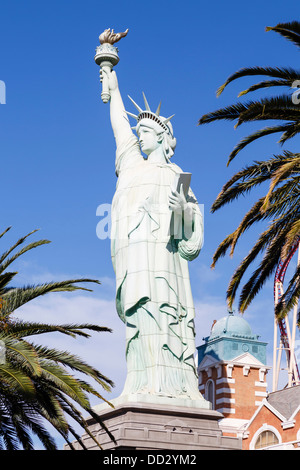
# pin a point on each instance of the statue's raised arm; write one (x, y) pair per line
(118, 116)
(107, 56)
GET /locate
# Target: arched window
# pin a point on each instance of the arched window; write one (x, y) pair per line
(210, 392)
(265, 439)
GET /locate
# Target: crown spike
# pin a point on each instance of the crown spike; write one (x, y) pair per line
(131, 114)
(146, 102)
(168, 119)
(157, 112)
(136, 105)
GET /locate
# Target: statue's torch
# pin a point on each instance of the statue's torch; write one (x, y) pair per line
(107, 56)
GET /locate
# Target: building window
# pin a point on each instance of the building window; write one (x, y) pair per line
(210, 392)
(266, 439)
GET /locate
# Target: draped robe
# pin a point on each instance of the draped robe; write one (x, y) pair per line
(153, 292)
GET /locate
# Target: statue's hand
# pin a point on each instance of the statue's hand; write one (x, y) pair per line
(177, 201)
(110, 75)
(179, 205)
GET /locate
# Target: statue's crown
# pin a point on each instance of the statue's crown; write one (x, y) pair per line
(148, 114)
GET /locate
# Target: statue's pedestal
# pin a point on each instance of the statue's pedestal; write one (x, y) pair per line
(137, 424)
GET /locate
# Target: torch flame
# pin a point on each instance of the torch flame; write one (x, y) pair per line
(110, 37)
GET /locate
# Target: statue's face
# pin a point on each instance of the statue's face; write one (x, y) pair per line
(148, 138)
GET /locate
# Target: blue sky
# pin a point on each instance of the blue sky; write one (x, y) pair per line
(57, 147)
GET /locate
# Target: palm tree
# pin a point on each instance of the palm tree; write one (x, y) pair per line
(280, 205)
(36, 385)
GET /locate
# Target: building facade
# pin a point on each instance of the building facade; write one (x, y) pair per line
(276, 423)
(232, 369)
(232, 376)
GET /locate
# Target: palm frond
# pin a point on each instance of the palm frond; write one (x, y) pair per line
(255, 283)
(278, 108)
(43, 435)
(75, 363)
(5, 231)
(259, 277)
(229, 113)
(19, 242)
(21, 354)
(291, 238)
(16, 379)
(281, 174)
(64, 382)
(270, 239)
(290, 31)
(290, 297)
(222, 249)
(290, 132)
(6, 262)
(248, 178)
(23, 329)
(269, 84)
(275, 72)
(256, 135)
(5, 280)
(18, 296)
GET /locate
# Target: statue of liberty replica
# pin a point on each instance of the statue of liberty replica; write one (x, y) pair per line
(156, 230)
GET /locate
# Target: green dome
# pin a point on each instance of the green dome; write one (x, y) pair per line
(231, 325)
